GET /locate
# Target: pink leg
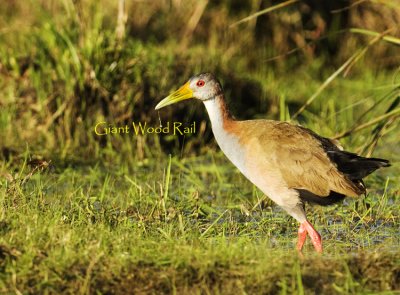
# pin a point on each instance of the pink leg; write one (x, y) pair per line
(306, 227)
(302, 237)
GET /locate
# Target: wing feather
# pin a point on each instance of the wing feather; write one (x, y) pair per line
(301, 157)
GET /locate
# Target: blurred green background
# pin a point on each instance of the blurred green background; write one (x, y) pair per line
(66, 65)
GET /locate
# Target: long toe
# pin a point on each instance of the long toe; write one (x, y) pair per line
(317, 242)
(302, 235)
(314, 236)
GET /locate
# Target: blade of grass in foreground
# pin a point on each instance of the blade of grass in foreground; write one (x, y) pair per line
(166, 186)
(264, 11)
(212, 225)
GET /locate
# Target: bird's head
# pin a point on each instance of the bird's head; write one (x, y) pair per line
(203, 86)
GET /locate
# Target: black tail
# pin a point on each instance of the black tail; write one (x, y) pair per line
(308, 196)
(356, 167)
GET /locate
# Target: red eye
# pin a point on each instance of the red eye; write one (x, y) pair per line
(200, 83)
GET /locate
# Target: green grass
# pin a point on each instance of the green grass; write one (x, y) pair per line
(80, 214)
(110, 229)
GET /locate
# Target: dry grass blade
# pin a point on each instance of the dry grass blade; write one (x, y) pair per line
(327, 82)
(37, 166)
(379, 133)
(389, 39)
(193, 21)
(352, 5)
(380, 130)
(213, 224)
(344, 68)
(121, 20)
(264, 11)
(166, 187)
(393, 114)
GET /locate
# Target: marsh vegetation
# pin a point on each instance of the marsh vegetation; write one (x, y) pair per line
(167, 213)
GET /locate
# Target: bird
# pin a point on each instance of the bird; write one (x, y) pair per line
(290, 164)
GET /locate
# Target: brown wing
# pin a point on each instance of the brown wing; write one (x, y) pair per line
(300, 156)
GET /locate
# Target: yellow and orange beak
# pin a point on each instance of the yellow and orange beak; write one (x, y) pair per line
(181, 94)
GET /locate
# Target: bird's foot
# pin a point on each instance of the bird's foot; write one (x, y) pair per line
(307, 228)
(302, 237)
